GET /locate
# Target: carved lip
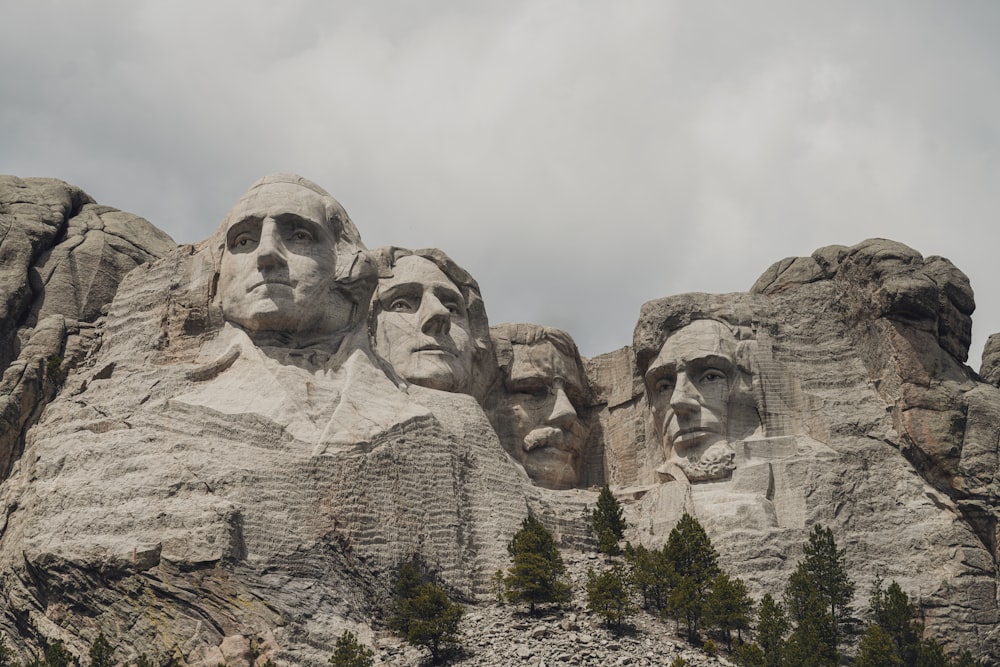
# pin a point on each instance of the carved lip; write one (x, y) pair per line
(432, 347)
(693, 434)
(269, 281)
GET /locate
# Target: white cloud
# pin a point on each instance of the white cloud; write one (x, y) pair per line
(578, 158)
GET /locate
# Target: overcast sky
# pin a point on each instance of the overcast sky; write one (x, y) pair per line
(578, 158)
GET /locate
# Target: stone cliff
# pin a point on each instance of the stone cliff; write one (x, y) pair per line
(225, 450)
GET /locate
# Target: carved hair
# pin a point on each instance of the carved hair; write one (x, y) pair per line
(506, 336)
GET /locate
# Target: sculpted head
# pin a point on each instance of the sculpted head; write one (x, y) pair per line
(537, 408)
(292, 265)
(428, 320)
(695, 387)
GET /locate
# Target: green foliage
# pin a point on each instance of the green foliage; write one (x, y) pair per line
(56, 655)
(749, 655)
(538, 573)
(894, 614)
(696, 564)
(931, 654)
(817, 597)
(877, 649)
(54, 369)
(728, 607)
(101, 654)
(965, 659)
(772, 624)
(423, 614)
(609, 595)
(6, 654)
(710, 648)
(812, 643)
(607, 522)
(432, 620)
(497, 587)
(652, 575)
(349, 652)
(143, 661)
(679, 662)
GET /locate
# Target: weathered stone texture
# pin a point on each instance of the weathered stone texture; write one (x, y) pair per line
(196, 483)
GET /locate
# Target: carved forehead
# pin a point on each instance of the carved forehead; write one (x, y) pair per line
(414, 269)
(544, 360)
(290, 193)
(701, 338)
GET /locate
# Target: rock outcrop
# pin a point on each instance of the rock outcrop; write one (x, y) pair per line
(61, 259)
(223, 452)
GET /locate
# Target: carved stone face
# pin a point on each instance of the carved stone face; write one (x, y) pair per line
(278, 264)
(541, 427)
(689, 386)
(422, 328)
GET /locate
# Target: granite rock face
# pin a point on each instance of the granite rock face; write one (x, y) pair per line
(230, 461)
(61, 259)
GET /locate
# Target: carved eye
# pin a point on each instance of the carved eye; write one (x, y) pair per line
(453, 308)
(244, 241)
(713, 375)
(401, 306)
(664, 384)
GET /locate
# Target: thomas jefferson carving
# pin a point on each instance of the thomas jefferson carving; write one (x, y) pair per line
(428, 321)
(536, 410)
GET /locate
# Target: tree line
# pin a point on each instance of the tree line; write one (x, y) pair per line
(809, 625)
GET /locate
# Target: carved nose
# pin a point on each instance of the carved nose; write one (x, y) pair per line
(684, 397)
(563, 411)
(270, 249)
(435, 318)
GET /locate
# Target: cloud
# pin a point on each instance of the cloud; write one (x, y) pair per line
(577, 158)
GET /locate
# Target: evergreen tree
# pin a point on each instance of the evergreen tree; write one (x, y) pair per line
(749, 655)
(55, 655)
(931, 654)
(696, 564)
(729, 607)
(818, 594)
(811, 643)
(608, 522)
(965, 659)
(432, 620)
(422, 612)
(652, 575)
(877, 649)
(101, 654)
(538, 573)
(772, 624)
(893, 612)
(609, 595)
(6, 654)
(349, 652)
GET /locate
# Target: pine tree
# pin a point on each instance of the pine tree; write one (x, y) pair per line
(433, 620)
(538, 573)
(696, 563)
(772, 624)
(652, 575)
(877, 649)
(422, 612)
(608, 522)
(749, 655)
(349, 652)
(729, 607)
(101, 654)
(893, 612)
(818, 594)
(609, 595)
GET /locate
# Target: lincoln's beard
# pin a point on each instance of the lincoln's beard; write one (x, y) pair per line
(717, 462)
